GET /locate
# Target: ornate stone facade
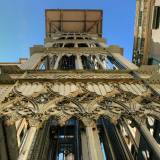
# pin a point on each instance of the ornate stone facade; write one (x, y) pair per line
(77, 98)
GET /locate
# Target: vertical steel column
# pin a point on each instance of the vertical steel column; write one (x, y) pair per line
(108, 145)
(77, 141)
(37, 151)
(119, 147)
(124, 146)
(125, 125)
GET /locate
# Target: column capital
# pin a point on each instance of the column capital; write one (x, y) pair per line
(89, 122)
(9, 120)
(34, 123)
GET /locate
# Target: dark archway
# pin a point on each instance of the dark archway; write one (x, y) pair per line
(66, 141)
(67, 62)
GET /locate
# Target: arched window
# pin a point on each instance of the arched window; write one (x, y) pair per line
(69, 45)
(67, 62)
(82, 45)
(70, 37)
(57, 45)
(88, 38)
(62, 38)
(87, 62)
(79, 37)
(97, 45)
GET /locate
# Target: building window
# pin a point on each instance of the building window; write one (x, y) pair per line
(156, 18)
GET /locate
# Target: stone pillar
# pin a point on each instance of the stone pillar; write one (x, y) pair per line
(57, 62)
(79, 64)
(11, 139)
(27, 144)
(100, 62)
(3, 150)
(94, 147)
(85, 152)
(91, 144)
(97, 144)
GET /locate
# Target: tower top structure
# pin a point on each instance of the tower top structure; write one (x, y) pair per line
(75, 21)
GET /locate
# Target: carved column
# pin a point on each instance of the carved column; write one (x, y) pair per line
(79, 64)
(94, 147)
(91, 144)
(85, 152)
(97, 144)
(3, 150)
(11, 139)
(57, 62)
(28, 142)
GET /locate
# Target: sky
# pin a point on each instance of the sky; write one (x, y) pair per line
(22, 23)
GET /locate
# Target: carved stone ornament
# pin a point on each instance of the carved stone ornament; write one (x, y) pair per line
(47, 99)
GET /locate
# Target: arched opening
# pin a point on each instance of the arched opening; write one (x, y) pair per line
(82, 45)
(67, 62)
(62, 38)
(78, 34)
(113, 143)
(104, 138)
(87, 62)
(79, 37)
(69, 45)
(52, 61)
(66, 141)
(57, 45)
(97, 45)
(70, 37)
(88, 38)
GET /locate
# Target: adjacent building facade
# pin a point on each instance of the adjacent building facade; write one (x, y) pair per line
(147, 31)
(77, 98)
